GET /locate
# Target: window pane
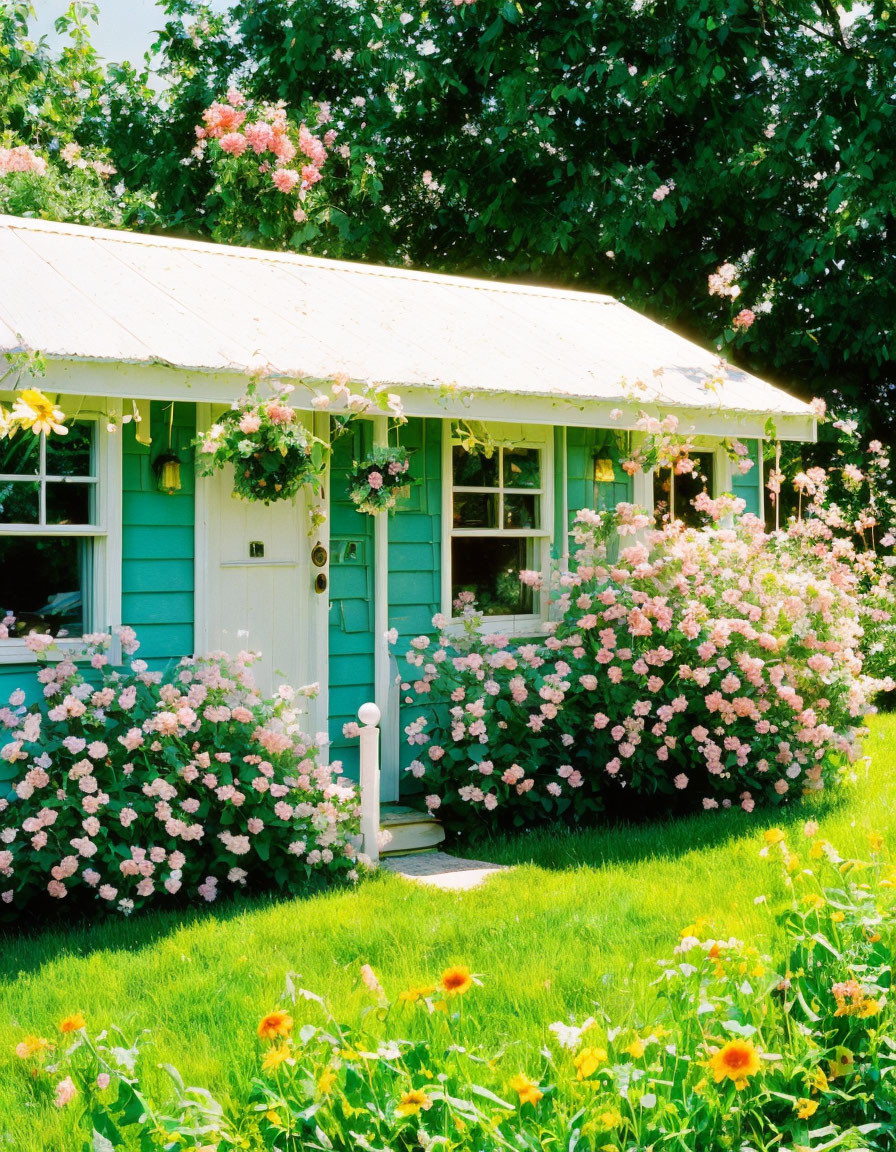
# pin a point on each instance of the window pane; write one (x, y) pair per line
(72, 455)
(41, 583)
(521, 511)
(20, 454)
(688, 485)
(475, 510)
(70, 503)
(474, 470)
(19, 502)
(489, 568)
(522, 468)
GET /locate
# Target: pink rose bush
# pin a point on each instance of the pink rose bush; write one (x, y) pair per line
(698, 669)
(268, 168)
(135, 788)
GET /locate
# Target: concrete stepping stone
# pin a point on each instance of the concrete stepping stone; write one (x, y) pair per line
(439, 870)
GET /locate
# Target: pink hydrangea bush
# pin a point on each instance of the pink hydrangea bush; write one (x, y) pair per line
(701, 668)
(135, 788)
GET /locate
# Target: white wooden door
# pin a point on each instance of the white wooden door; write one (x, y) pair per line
(259, 589)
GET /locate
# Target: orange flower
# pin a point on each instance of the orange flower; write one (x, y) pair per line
(806, 1108)
(737, 1060)
(457, 980)
(527, 1090)
(275, 1024)
(73, 1023)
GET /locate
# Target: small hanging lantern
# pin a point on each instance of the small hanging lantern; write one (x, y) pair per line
(167, 465)
(167, 470)
(603, 472)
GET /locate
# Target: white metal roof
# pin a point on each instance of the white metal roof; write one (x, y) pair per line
(88, 294)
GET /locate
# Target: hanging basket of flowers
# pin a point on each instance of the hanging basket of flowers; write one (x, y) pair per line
(376, 482)
(273, 454)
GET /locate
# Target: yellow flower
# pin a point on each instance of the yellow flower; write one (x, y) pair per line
(30, 1046)
(868, 1008)
(876, 841)
(412, 995)
(806, 1108)
(609, 1119)
(35, 411)
(737, 1060)
(838, 917)
(273, 1118)
(774, 836)
(588, 1061)
(275, 1024)
(326, 1081)
(818, 1082)
(527, 1090)
(73, 1023)
(636, 1049)
(274, 1057)
(457, 980)
(411, 1103)
(842, 1063)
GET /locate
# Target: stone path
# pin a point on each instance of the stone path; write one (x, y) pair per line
(439, 870)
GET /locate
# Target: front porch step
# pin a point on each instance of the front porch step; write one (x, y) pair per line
(404, 829)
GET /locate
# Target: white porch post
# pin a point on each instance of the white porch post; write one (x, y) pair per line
(381, 660)
(319, 625)
(369, 715)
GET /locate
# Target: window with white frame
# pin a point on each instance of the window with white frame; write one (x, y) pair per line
(499, 512)
(53, 529)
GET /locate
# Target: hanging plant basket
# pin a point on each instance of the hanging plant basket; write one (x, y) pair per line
(273, 454)
(376, 482)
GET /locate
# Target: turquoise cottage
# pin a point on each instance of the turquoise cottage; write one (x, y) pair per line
(147, 339)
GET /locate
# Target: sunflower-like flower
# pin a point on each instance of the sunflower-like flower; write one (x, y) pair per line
(73, 1023)
(457, 980)
(274, 1025)
(737, 1060)
(412, 1102)
(32, 409)
(275, 1056)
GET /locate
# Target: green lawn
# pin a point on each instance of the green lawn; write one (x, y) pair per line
(579, 921)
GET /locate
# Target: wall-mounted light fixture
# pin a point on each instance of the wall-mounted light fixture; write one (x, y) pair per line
(167, 465)
(167, 470)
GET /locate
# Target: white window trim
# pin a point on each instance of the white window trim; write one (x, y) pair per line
(526, 435)
(722, 472)
(104, 610)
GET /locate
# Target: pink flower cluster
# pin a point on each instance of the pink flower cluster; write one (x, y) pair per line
(268, 138)
(136, 788)
(21, 159)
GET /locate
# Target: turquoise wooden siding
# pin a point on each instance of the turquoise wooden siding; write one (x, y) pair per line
(583, 447)
(352, 566)
(157, 579)
(415, 546)
(746, 486)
